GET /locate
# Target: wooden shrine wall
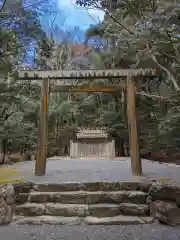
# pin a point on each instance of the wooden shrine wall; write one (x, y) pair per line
(96, 149)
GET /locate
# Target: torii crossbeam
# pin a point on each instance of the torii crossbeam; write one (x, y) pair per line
(82, 74)
(65, 78)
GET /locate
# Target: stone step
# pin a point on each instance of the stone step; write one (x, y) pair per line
(67, 210)
(81, 210)
(30, 209)
(134, 209)
(117, 220)
(104, 210)
(84, 197)
(54, 220)
(94, 186)
(110, 210)
(53, 209)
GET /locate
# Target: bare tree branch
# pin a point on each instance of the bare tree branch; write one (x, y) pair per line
(3, 5)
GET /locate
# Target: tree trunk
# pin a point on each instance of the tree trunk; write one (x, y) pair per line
(4, 150)
(116, 97)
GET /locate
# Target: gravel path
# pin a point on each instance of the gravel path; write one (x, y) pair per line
(96, 170)
(143, 232)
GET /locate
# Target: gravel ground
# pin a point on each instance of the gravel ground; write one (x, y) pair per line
(143, 232)
(96, 170)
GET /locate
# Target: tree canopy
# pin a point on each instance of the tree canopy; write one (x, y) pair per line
(133, 34)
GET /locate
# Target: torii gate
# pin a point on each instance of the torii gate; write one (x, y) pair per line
(67, 80)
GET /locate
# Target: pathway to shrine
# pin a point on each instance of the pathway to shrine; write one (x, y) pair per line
(140, 232)
(83, 170)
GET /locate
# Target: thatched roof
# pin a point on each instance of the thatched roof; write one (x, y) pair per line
(92, 133)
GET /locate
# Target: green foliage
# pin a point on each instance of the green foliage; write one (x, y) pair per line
(18, 129)
(19, 28)
(19, 104)
(145, 34)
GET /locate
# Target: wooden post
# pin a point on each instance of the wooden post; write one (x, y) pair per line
(40, 167)
(136, 165)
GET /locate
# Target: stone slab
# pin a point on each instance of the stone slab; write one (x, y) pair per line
(83, 197)
(66, 210)
(52, 220)
(22, 198)
(134, 209)
(72, 221)
(104, 210)
(30, 209)
(117, 220)
(40, 197)
(22, 187)
(166, 212)
(57, 187)
(137, 197)
(93, 186)
(161, 191)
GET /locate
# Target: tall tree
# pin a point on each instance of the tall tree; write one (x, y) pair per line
(146, 34)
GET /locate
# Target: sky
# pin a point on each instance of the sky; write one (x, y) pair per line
(78, 16)
(70, 15)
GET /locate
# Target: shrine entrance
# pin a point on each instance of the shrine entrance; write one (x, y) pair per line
(92, 143)
(81, 81)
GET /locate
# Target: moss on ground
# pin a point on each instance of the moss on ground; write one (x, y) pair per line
(164, 179)
(8, 175)
(11, 180)
(5, 170)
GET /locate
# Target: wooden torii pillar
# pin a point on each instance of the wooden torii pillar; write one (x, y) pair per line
(136, 165)
(61, 78)
(40, 167)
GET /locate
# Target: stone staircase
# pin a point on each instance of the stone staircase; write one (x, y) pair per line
(98, 203)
